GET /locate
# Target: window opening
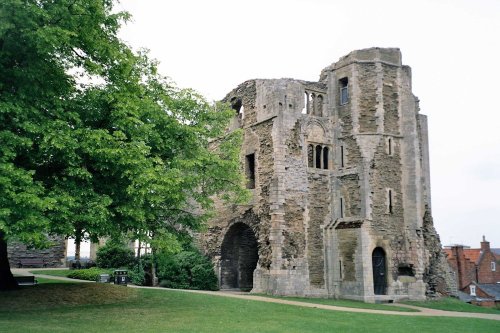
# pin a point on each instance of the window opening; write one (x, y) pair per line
(472, 290)
(389, 148)
(318, 156)
(250, 171)
(493, 266)
(325, 157)
(236, 104)
(306, 102)
(342, 156)
(341, 207)
(389, 201)
(344, 92)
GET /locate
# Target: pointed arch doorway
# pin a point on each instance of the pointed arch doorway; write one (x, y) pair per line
(239, 256)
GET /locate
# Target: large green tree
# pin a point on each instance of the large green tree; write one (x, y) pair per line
(93, 141)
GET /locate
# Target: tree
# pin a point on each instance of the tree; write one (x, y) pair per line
(94, 142)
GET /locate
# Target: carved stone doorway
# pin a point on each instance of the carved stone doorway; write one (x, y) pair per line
(239, 256)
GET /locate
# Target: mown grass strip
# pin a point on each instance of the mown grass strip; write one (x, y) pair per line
(453, 304)
(108, 308)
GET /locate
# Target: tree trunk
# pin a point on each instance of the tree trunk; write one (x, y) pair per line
(154, 278)
(139, 249)
(78, 241)
(7, 281)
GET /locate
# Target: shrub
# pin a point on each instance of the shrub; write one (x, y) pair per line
(136, 274)
(186, 270)
(115, 255)
(90, 274)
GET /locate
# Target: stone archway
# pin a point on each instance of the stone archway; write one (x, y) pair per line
(239, 256)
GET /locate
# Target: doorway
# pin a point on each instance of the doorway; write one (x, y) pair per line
(239, 256)
(379, 271)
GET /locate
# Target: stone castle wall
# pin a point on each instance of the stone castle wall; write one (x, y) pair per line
(54, 256)
(333, 178)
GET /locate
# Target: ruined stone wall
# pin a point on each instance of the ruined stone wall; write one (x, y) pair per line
(348, 243)
(317, 224)
(367, 98)
(350, 191)
(294, 242)
(318, 212)
(438, 274)
(390, 95)
(54, 256)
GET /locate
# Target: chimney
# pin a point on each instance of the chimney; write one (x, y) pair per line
(485, 246)
(463, 280)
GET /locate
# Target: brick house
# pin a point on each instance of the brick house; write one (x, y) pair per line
(487, 295)
(479, 268)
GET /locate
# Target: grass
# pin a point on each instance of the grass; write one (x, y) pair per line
(344, 303)
(53, 272)
(96, 307)
(453, 304)
(45, 281)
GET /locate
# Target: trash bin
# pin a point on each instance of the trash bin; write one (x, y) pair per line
(121, 277)
(103, 278)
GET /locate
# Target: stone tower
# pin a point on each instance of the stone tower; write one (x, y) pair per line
(339, 171)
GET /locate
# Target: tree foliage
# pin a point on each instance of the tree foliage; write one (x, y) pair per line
(186, 270)
(94, 142)
(115, 255)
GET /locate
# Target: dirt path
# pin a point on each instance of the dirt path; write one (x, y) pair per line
(422, 311)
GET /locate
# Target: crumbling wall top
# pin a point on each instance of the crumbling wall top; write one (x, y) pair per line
(391, 56)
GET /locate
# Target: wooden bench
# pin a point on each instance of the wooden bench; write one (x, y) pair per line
(31, 262)
(26, 280)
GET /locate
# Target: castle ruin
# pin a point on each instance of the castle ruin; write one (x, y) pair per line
(339, 173)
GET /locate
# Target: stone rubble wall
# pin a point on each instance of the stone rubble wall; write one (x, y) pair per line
(54, 256)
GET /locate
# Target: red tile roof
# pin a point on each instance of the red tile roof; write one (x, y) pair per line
(471, 254)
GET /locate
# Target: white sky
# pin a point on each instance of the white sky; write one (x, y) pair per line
(453, 48)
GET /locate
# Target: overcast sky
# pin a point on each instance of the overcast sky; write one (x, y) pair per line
(453, 48)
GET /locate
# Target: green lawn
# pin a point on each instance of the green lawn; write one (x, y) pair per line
(53, 272)
(453, 304)
(45, 281)
(94, 307)
(343, 302)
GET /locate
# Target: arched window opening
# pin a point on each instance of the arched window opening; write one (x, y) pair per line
(325, 157)
(305, 110)
(318, 156)
(310, 156)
